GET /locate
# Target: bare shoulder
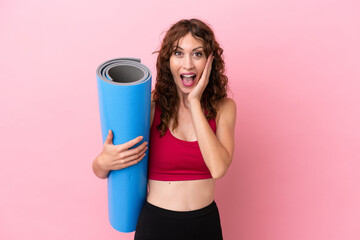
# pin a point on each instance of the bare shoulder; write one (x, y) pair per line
(227, 108)
(225, 123)
(227, 104)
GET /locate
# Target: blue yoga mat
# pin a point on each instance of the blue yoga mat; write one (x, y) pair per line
(124, 90)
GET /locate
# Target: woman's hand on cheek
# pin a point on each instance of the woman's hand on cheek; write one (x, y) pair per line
(198, 90)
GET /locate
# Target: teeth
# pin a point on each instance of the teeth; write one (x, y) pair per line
(185, 75)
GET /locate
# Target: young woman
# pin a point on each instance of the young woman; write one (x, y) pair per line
(191, 138)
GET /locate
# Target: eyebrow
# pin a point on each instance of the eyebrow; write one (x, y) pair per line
(176, 47)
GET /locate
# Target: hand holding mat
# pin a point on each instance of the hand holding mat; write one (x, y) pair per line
(115, 157)
(124, 90)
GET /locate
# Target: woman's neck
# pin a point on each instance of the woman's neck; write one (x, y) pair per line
(183, 100)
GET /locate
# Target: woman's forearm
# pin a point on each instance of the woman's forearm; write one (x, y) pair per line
(216, 156)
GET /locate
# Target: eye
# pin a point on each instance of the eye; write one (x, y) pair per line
(177, 53)
(198, 54)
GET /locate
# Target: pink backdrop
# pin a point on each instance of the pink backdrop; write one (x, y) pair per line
(294, 73)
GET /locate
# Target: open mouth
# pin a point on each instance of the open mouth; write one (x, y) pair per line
(188, 79)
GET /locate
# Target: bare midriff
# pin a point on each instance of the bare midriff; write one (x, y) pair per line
(181, 195)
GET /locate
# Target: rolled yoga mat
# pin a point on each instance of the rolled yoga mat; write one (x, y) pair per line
(124, 89)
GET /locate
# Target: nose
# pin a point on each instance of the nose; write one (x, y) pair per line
(188, 62)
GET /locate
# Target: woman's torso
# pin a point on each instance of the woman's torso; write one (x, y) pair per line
(181, 195)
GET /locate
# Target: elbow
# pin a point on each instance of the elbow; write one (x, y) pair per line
(219, 173)
(220, 170)
(217, 176)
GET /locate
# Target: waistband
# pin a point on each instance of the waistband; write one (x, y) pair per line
(181, 214)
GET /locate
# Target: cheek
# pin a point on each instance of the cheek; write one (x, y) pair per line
(201, 66)
(174, 65)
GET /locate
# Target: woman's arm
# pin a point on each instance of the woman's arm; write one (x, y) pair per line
(152, 111)
(114, 157)
(217, 150)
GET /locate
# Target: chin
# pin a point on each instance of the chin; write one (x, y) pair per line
(185, 91)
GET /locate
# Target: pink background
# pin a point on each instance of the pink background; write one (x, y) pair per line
(294, 73)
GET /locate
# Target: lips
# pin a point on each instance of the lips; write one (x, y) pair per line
(188, 79)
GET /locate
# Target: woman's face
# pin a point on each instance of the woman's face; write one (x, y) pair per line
(187, 63)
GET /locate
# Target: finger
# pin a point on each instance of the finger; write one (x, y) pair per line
(207, 69)
(134, 151)
(128, 164)
(211, 59)
(109, 138)
(207, 64)
(132, 157)
(130, 143)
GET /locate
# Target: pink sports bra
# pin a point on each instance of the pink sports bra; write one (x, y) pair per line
(173, 159)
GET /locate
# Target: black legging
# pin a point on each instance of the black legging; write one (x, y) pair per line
(160, 224)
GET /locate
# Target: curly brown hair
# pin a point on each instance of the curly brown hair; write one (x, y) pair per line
(165, 94)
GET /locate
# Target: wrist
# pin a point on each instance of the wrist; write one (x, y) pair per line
(98, 171)
(194, 102)
(100, 163)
